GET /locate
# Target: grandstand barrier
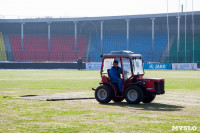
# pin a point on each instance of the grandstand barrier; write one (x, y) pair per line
(184, 66)
(93, 66)
(166, 66)
(26, 65)
(157, 66)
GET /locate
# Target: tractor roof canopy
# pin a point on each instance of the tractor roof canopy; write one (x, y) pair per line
(123, 53)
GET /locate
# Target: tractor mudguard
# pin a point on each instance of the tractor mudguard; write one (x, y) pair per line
(130, 84)
(110, 85)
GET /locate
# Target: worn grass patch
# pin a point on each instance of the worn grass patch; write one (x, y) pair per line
(180, 106)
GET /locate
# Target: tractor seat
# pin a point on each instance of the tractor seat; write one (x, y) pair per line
(108, 71)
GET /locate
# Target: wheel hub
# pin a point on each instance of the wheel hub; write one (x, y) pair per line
(102, 94)
(132, 95)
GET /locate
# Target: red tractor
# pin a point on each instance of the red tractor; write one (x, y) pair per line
(135, 88)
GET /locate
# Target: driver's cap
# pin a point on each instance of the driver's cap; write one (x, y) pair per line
(115, 61)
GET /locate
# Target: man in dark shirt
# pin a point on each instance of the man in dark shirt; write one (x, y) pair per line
(115, 77)
(79, 62)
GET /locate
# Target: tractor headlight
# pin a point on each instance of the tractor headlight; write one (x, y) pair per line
(141, 83)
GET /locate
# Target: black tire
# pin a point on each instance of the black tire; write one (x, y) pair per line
(104, 94)
(148, 98)
(117, 99)
(134, 94)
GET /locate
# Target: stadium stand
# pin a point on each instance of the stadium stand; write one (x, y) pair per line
(36, 48)
(189, 47)
(3, 56)
(114, 31)
(139, 43)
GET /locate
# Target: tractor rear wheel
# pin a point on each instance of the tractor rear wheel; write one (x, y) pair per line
(148, 99)
(133, 94)
(104, 94)
(117, 99)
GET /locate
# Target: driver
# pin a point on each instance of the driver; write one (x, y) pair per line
(115, 77)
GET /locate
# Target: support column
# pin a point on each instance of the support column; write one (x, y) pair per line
(49, 35)
(185, 38)
(22, 36)
(178, 37)
(152, 39)
(75, 35)
(127, 33)
(101, 36)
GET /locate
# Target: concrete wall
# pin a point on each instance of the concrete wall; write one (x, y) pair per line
(40, 66)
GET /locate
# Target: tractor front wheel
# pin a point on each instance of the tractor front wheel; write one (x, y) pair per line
(133, 95)
(103, 94)
(148, 99)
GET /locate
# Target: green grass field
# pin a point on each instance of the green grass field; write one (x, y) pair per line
(180, 106)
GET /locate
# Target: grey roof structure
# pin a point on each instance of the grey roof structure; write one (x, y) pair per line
(95, 18)
(123, 53)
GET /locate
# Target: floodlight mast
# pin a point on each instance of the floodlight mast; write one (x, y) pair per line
(178, 32)
(185, 31)
(192, 33)
(167, 32)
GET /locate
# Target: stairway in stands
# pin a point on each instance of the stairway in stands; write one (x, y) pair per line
(3, 56)
(8, 48)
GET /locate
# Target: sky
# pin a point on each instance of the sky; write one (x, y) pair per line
(90, 8)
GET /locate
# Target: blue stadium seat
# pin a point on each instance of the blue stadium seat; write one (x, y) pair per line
(138, 43)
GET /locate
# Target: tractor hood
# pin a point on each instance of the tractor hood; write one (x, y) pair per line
(150, 79)
(155, 85)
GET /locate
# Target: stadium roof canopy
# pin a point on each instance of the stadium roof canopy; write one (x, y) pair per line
(145, 16)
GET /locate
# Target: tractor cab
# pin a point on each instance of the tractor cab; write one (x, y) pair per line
(131, 64)
(135, 88)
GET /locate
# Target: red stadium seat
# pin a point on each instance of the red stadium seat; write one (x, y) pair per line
(35, 48)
